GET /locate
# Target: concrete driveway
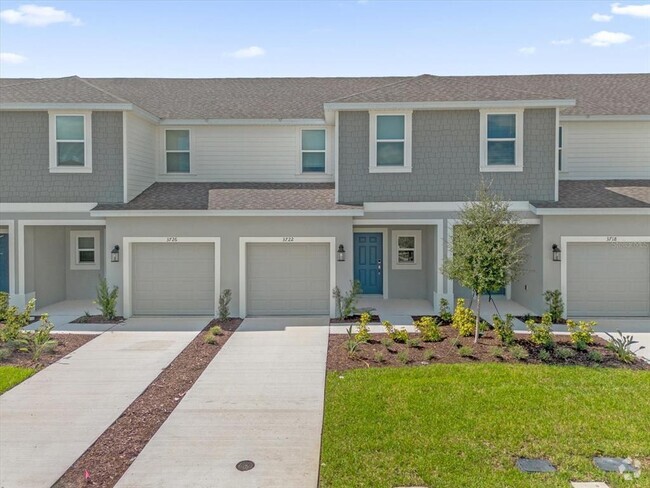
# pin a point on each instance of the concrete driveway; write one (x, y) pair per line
(260, 399)
(49, 420)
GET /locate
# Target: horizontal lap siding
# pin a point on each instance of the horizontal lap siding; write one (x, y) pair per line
(141, 141)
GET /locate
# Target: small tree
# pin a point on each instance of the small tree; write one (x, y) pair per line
(106, 300)
(346, 302)
(487, 248)
(224, 305)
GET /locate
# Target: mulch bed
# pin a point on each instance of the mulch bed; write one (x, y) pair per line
(96, 319)
(66, 343)
(114, 451)
(352, 319)
(374, 354)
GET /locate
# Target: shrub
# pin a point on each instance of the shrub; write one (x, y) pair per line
(503, 329)
(429, 329)
(463, 319)
(445, 314)
(41, 340)
(15, 322)
(106, 299)
(595, 356)
(429, 355)
(545, 355)
(224, 305)
(518, 352)
(4, 305)
(415, 342)
(496, 352)
(581, 333)
(554, 304)
(403, 357)
(346, 302)
(465, 351)
(542, 333)
(564, 353)
(352, 345)
(397, 335)
(622, 347)
(5, 353)
(387, 342)
(379, 357)
(216, 330)
(210, 338)
(363, 331)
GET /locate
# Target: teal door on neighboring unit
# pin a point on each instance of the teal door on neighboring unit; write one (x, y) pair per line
(368, 268)
(4, 262)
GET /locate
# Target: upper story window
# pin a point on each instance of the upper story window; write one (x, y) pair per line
(390, 142)
(70, 143)
(312, 150)
(559, 148)
(502, 140)
(177, 150)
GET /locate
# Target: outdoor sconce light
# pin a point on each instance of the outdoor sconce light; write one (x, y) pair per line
(340, 254)
(115, 254)
(557, 254)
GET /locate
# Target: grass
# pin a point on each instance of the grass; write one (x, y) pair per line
(453, 425)
(10, 376)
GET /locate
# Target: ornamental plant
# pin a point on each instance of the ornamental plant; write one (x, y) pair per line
(363, 330)
(581, 333)
(445, 314)
(463, 319)
(429, 329)
(346, 302)
(106, 300)
(224, 305)
(554, 305)
(542, 333)
(503, 329)
(15, 321)
(397, 335)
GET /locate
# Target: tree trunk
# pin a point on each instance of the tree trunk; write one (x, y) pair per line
(478, 316)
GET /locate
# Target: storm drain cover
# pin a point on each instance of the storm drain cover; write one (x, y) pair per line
(535, 466)
(618, 465)
(245, 465)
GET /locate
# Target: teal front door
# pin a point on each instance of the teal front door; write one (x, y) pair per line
(368, 268)
(4, 262)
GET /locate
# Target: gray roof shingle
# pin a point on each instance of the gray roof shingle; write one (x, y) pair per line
(601, 194)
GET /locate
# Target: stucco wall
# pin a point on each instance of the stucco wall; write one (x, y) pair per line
(445, 160)
(527, 290)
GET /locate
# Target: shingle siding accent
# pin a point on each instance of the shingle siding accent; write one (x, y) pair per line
(24, 161)
(445, 160)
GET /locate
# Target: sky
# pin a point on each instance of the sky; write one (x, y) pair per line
(325, 38)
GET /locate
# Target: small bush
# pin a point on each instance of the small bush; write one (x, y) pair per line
(352, 345)
(15, 321)
(397, 335)
(429, 355)
(554, 305)
(4, 305)
(429, 329)
(379, 357)
(518, 352)
(346, 302)
(224, 305)
(403, 357)
(621, 345)
(564, 353)
(595, 356)
(463, 319)
(445, 314)
(415, 342)
(106, 300)
(503, 329)
(210, 338)
(541, 334)
(496, 352)
(387, 342)
(581, 333)
(5, 353)
(465, 351)
(216, 330)
(363, 331)
(41, 340)
(545, 355)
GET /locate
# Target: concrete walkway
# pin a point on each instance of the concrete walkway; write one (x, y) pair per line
(260, 399)
(49, 420)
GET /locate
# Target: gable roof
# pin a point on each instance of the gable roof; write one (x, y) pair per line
(303, 98)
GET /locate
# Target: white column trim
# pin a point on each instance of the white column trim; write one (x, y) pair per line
(11, 231)
(125, 153)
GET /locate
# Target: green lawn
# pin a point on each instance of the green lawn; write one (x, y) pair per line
(464, 425)
(10, 376)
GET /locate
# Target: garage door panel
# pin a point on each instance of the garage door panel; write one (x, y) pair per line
(608, 279)
(288, 279)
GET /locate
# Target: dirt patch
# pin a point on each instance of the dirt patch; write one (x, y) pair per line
(114, 451)
(96, 319)
(377, 353)
(66, 343)
(353, 319)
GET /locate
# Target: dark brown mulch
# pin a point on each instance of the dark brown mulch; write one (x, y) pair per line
(352, 319)
(114, 451)
(96, 319)
(376, 355)
(66, 343)
(537, 319)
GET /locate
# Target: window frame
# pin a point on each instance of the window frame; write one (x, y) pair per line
(165, 151)
(326, 151)
(518, 139)
(417, 255)
(75, 264)
(407, 167)
(87, 141)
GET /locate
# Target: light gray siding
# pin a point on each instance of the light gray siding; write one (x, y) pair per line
(24, 161)
(141, 144)
(445, 160)
(527, 289)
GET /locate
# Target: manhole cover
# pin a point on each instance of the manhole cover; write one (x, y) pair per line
(535, 466)
(614, 465)
(245, 465)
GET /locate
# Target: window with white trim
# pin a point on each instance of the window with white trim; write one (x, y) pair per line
(312, 150)
(84, 249)
(502, 140)
(177, 150)
(70, 146)
(407, 249)
(559, 148)
(390, 142)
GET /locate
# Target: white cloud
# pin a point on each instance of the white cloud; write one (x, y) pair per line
(562, 42)
(247, 52)
(527, 50)
(606, 38)
(633, 10)
(37, 16)
(601, 17)
(12, 58)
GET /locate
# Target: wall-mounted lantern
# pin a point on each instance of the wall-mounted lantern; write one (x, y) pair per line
(340, 254)
(115, 254)
(557, 254)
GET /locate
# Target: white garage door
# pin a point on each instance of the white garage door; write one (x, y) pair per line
(608, 279)
(173, 279)
(288, 279)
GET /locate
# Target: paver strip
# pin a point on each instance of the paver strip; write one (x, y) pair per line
(260, 399)
(48, 421)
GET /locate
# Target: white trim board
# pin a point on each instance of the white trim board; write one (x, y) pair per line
(449, 105)
(384, 253)
(66, 106)
(592, 211)
(516, 206)
(126, 250)
(226, 213)
(243, 122)
(11, 232)
(564, 244)
(244, 241)
(604, 118)
(47, 207)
